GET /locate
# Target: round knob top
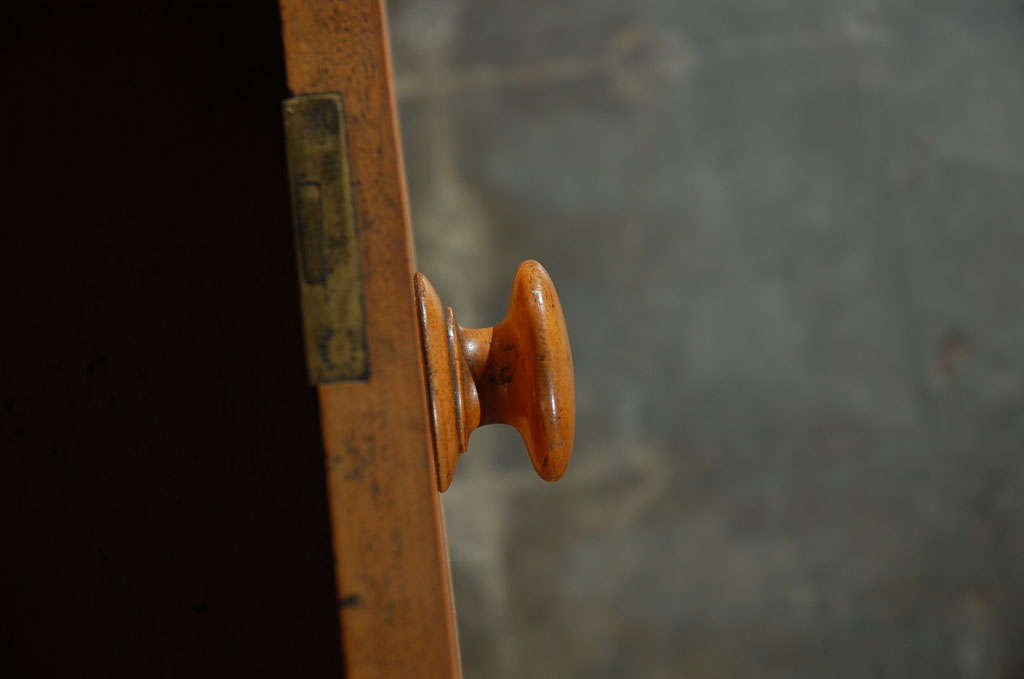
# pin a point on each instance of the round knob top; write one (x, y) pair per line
(518, 372)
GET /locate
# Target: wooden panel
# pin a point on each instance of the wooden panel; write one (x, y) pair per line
(392, 571)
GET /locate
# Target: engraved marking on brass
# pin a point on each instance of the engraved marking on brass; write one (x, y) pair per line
(325, 239)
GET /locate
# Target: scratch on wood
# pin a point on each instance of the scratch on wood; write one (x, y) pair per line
(348, 600)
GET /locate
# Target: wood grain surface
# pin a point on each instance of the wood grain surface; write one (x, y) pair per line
(394, 585)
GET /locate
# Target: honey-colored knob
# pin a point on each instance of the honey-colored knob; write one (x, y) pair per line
(519, 372)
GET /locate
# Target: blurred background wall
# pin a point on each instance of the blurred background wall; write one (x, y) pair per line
(788, 238)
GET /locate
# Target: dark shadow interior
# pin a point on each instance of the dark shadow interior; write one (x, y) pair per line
(166, 502)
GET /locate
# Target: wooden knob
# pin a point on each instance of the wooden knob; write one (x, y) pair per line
(519, 372)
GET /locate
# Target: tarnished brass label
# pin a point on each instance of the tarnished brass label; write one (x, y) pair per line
(326, 239)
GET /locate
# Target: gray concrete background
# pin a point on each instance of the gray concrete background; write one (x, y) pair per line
(788, 238)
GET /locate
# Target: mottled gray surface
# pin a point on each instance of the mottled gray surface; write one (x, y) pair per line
(788, 237)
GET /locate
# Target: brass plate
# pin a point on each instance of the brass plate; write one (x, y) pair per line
(325, 239)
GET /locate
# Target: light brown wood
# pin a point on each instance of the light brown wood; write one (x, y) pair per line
(395, 603)
(519, 373)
